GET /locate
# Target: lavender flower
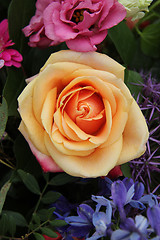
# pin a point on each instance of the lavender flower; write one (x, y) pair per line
(82, 224)
(145, 167)
(132, 230)
(153, 214)
(126, 214)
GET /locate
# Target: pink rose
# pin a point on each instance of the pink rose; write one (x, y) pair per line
(81, 24)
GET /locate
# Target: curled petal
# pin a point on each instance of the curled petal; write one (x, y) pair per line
(94, 60)
(46, 162)
(135, 135)
(35, 130)
(88, 166)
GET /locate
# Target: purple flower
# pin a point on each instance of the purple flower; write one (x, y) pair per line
(144, 166)
(126, 192)
(131, 230)
(153, 214)
(102, 222)
(81, 225)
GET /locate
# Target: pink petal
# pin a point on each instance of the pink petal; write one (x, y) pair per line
(116, 14)
(15, 64)
(81, 44)
(99, 37)
(4, 30)
(55, 29)
(6, 55)
(46, 162)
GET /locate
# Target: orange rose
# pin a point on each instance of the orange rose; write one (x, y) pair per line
(78, 116)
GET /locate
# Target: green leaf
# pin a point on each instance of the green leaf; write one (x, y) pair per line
(12, 89)
(131, 79)
(38, 236)
(45, 214)
(4, 224)
(18, 218)
(49, 232)
(29, 181)
(124, 41)
(58, 223)
(36, 218)
(50, 197)
(25, 160)
(126, 170)
(61, 179)
(11, 225)
(150, 40)
(3, 116)
(19, 14)
(3, 194)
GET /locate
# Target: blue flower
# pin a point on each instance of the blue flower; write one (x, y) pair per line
(127, 192)
(131, 230)
(153, 214)
(101, 220)
(81, 225)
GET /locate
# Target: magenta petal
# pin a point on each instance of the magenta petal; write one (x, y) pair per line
(6, 55)
(46, 162)
(81, 44)
(116, 15)
(88, 21)
(55, 29)
(98, 38)
(16, 64)
(4, 35)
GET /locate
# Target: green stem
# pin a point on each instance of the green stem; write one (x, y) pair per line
(26, 235)
(154, 5)
(39, 200)
(37, 228)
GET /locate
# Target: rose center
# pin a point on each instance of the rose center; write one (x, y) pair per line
(78, 16)
(84, 108)
(87, 110)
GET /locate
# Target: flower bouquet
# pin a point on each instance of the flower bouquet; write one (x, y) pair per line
(79, 119)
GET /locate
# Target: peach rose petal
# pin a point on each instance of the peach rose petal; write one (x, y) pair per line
(91, 125)
(120, 118)
(135, 135)
(88, 166)
(52, 76)
(103, 89)
(48, 110)
(35, 130)
(76, 146)
(69, 132)
(105, 77)
(46, 162)
(92, 59)
(80, 133)
(58, 122)
(103, 134)
(59, 142)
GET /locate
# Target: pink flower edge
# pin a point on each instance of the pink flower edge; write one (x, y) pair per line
(47, 163)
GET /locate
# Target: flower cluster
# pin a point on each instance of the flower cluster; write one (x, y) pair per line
(124, 213)
(8, 56)
(135, 8)
(145, 167)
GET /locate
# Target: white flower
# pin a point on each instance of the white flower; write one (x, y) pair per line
(135, 8)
